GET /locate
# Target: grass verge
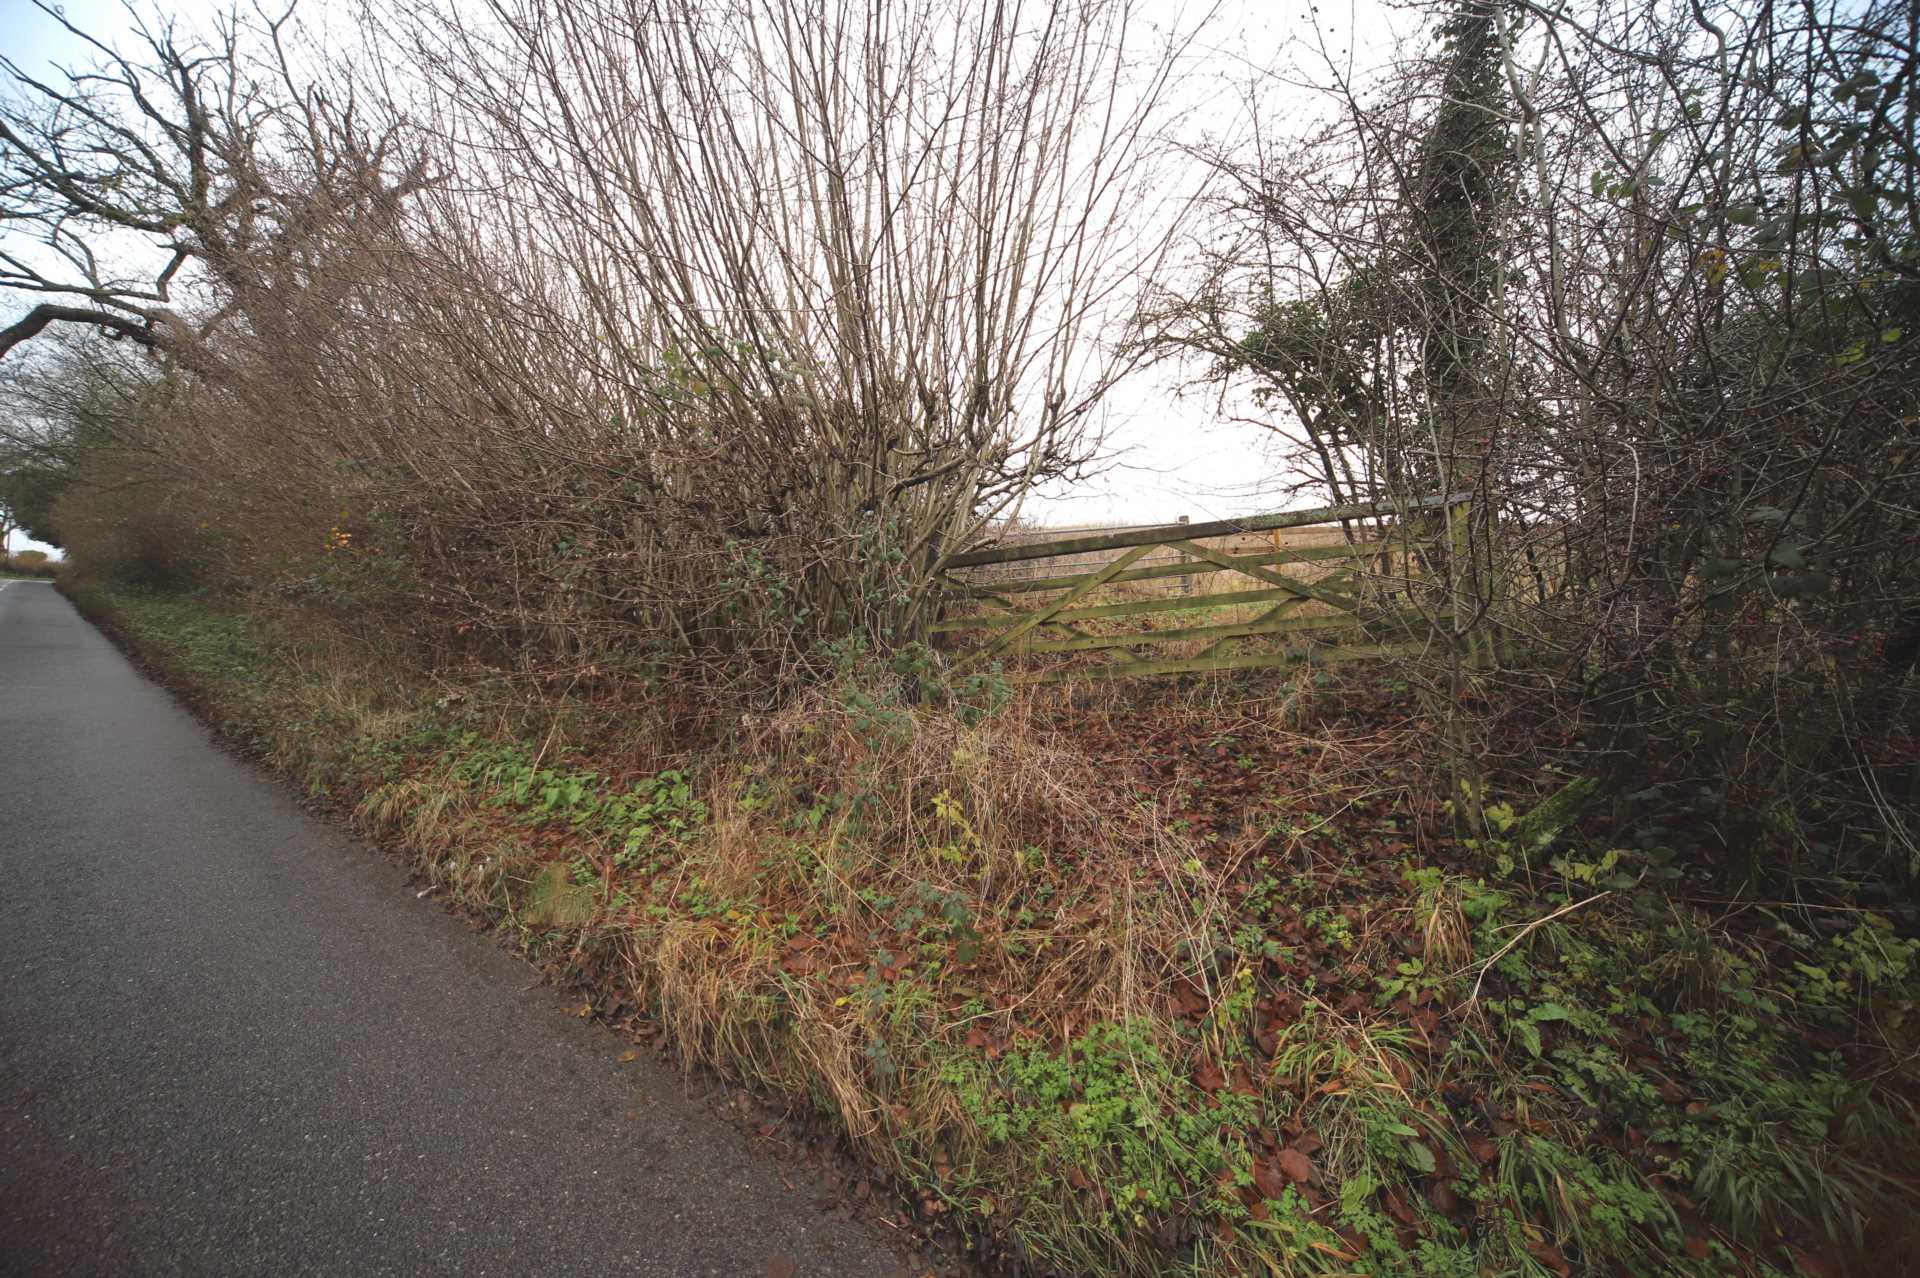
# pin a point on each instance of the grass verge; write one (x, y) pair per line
(1196, 985)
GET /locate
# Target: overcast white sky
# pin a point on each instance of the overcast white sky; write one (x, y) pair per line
(1172, 455)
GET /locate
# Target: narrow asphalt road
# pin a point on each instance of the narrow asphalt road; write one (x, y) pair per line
(232, 1042)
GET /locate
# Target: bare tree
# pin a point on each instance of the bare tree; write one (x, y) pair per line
(808, 290)
(1686, 363)
(213, 157)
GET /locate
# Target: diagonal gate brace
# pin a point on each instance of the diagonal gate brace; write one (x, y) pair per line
(1039, 618)
(1268, 575)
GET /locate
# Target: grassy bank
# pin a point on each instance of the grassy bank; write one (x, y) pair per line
(1155, 981)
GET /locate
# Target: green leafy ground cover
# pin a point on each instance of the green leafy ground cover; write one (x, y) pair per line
(1151, 986)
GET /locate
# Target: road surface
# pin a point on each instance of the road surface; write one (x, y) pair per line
(233, 1042)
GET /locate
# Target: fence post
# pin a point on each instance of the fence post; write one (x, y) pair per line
(1186, 583)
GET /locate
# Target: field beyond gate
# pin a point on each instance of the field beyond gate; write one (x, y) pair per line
(1360, 582)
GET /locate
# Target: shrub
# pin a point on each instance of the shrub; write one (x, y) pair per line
(30, 563)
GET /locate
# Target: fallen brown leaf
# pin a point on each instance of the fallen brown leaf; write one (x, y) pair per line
(1549, 1255)
(1295, 1164)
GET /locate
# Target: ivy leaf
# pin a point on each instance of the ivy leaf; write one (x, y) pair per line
(1802, 583)
(1789, 555)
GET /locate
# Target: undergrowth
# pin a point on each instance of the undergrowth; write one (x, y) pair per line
(1183, 991)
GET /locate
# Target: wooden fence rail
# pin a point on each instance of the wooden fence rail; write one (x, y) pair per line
(1345, 599)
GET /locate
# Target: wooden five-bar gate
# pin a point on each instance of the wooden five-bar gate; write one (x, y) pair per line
(1380, 590)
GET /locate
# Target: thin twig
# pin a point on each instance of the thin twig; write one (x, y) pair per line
(1524, 933)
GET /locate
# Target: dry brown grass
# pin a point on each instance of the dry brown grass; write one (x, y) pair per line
(919, 924)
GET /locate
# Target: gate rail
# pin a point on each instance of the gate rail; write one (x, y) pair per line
(1054, 626)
